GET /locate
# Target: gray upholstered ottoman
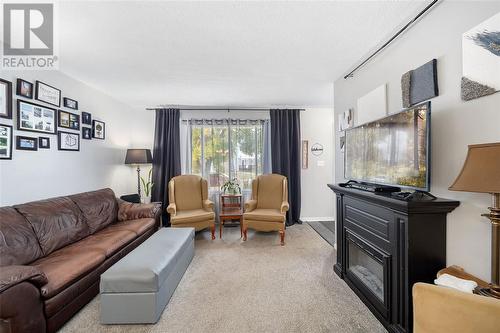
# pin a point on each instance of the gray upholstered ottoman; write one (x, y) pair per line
(138, 287)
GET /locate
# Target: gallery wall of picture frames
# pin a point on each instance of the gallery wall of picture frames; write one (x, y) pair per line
(37, 111)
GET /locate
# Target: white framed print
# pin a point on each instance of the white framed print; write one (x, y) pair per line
(68, 141)
(47, 94)
(36, 118)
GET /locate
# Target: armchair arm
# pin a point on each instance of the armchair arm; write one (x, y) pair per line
(172, 209)
(132, 211)
(439, 309)
(13, 275)
(250, 205)
(284, 207)
(208, 205)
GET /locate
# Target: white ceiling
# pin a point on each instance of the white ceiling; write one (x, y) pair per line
(222, 53)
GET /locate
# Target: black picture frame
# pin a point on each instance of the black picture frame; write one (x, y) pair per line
(70, 103)
(86, 133)
(20, 141)
(73, 120)
(40, 97)
(22, 121)
(44, 142)
(6, 109)
(62, 145)
(98, 133)
(8, 144)
(86, 118)
(20, 89)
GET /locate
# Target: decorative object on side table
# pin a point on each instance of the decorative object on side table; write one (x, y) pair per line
(36, 118)
(5, 99)
(70, 103)
(47, 94)
(480, 58)
(24, 88)
(231, 187)
(98, 129)
(68, 141)
(5, 142)
(138, 157)
(86, 118)
(86, 133)
(480, 173)
(147, 186)
(44, 142)
(26, 143)
(69, 120)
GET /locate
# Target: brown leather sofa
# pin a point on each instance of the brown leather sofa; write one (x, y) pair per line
(52, 253)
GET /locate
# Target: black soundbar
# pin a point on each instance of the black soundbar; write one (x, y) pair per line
(370, 187)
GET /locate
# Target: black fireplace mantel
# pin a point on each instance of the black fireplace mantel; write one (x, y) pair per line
(404, 242)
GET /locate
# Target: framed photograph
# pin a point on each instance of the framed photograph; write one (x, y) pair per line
(47, 94)
(5, 99)
(86, 133)
(26, 143)
(69, 120)
(36, 118)
(68, 141)
(70, 103)
(5, 142)
(98, 129)
(86, 118)
(24, 88)
(44, 142)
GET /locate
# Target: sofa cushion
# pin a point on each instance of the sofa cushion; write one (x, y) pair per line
(138, 226)
(107, 240)
(56, 222)
(100, 208)
(265, 215)
(18, 243)
(63, 267)
(189, 216)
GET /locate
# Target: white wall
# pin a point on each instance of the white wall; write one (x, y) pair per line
(318, 201)
(33, 175)
(455, 123)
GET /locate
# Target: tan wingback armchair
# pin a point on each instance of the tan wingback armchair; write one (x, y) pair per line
(189, 205)
(266, 211)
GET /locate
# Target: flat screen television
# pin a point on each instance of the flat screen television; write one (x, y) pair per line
(391, 151)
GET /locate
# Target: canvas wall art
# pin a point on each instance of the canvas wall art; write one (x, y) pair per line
(420, 84)
(372, 106)
(481, 59)
(346, 120)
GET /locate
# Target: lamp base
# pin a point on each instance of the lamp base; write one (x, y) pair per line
(492, 291)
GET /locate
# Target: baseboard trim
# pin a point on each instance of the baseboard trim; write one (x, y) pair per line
(317, 219)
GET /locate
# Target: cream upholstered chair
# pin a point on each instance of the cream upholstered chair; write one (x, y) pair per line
(266, 211)
(189, 205)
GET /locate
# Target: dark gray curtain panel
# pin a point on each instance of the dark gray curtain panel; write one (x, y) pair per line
(285, 151)
(166, 156)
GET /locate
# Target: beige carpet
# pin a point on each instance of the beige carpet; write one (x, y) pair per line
(254, 286)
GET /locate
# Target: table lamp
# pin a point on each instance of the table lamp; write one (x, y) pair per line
(138, 157)
(481, 173)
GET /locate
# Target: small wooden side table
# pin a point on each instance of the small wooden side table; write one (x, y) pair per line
(231, 208)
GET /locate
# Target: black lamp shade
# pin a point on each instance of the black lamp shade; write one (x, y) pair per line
(138, 156)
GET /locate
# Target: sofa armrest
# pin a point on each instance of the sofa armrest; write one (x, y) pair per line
(440, 309)
(172, 209)
(208, 205)
(132, 211)
(12, 275)
(284, 207)
(250, 205)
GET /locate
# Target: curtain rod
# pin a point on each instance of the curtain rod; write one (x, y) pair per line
(221, 109)
(403, 29)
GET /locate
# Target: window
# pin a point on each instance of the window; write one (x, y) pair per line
(227, 149)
